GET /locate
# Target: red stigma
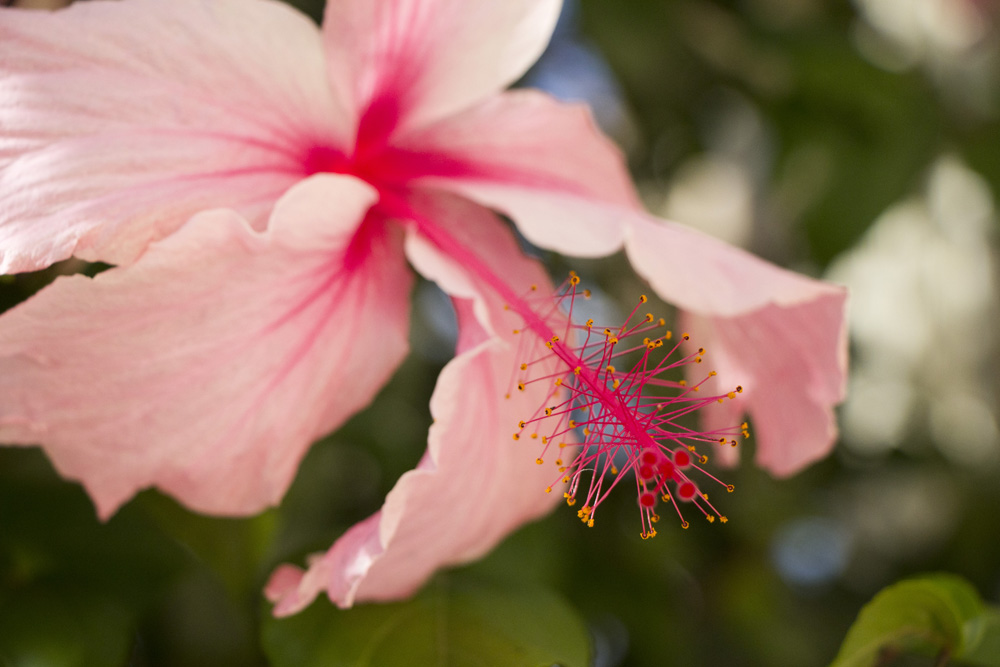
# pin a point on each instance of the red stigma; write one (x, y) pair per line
(686, 491)
(649, 457)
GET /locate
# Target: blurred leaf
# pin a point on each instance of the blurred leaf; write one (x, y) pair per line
(64, 627)
(982, 639)
(453, 625)
(934, 614)
(232, 548)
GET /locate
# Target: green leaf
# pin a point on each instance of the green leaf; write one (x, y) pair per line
(982, 639)
(927, 614)
(63, 626)
(450, 625)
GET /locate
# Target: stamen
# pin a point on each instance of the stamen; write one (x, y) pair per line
(626, 422)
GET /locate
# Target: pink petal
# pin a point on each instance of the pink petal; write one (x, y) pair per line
(780, 335)
(542, 162)
(121, 119)
(408, 62)
(475, 483)
(209, 366)
(792, 363)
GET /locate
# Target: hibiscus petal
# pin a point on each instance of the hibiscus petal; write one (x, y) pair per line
(784, 359)
(407, 62)
(121, 119)
(542, 162)
(782, 336)
(209, 366)
(475, 483)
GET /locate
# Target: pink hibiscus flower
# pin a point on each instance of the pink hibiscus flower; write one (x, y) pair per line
(260, 184)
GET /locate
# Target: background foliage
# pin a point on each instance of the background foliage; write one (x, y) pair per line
(857, 141)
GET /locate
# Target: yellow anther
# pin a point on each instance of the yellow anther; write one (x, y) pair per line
(590, 523)
(555, 339)
(723, 519)
(586, 294)
(562, 444)
(574, 280)
(705, 496)
(586, 431)
(614, 470)
(697, 360)
(524, 367)
(559, 462)
(576, 371)
(659, 343)
(607, 332)
(701, 350)
(548, 344)
(646, 340)
(539, 461)
(712, 374)
(685, 525)
(704, 459)
(545, 440)
(668, 335)
(534, 288)
(711, 519)
(571, 501)
(548, 411)
(517, 331)
(517, 436)
(731, 395)
(649, 317)
(685, 336)
(722, 441)
(506, 306)
(661, 322)
(642, 298)
(520, 386)
(558, 382)
(616, 384)
(548, 489)
(730, 488)
(682, 383)
(666, 497)
(739, 389)
(572, 423)
(534, 436)
(522, 424)
(650, 345)
(611, 369)
(590, 323)
(613, 340)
